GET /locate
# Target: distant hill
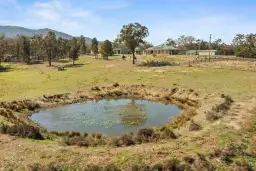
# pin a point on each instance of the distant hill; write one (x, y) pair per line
(12, 31)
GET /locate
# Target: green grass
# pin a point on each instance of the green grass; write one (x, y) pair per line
(26, 81)
(19, 81)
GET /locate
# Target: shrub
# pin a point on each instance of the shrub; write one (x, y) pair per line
(220, 109)
(76, 140)
(111, 167)
(212, 116)
(93, 135)
(240, 166)
(253, 146)
(194, 126)
(74, 134)
(158, 167)
(32, 106)
(127, 140)
(96, 88)
(189, 160)
(98, 136)
(23, 131)
(116, 85)
(86, 134)
(201, 163)
(3, 129)
(146, 168)
(167, 133)
(115, 142)
(93, 168)
(146, 132)
(172, 165)
(146, 135)
(4, 113)
(182, 119)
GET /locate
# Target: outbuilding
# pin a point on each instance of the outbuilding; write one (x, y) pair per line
(203, 52)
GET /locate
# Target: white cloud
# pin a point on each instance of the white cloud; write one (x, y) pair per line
(74, 17)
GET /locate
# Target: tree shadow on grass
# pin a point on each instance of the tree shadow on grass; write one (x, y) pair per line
(63, 61)
(157, 64)
(5, 68)
(36, 62)
(73, 66)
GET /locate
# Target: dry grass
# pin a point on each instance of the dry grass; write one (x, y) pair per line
(236, 65)
(41, 81)
(219, 110)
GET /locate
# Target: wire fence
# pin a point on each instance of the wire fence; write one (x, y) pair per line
(214, 59)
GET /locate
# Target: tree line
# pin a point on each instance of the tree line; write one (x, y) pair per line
(40, 48)
(49, 48)
(243, 45)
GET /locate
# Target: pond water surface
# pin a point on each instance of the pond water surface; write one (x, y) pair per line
(108, 117)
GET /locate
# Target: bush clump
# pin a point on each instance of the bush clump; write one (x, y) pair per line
(88, 141)
(127, 140)
(194, 126)
(182, 119)
(219, 110)
(23, 131)
(146, 135)
(167, 134)
(116, 85)
(201, 163)
(74, 134)
(240, 166)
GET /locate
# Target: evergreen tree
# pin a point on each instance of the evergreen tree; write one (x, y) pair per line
(94, 47)
(74, 50)
(82, 45)
(25, 49)
(106, 49)
(3, 47)
(50, 45)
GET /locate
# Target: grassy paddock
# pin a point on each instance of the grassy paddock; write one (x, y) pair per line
(19, 81)
(25, 81)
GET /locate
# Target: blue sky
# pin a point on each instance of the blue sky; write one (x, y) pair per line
(164, 18)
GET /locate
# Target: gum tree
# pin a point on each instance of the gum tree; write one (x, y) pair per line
(94, 47)
(50, 44)
(133, 35)
(74, 50)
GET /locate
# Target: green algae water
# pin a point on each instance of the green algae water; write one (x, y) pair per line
(108, 117)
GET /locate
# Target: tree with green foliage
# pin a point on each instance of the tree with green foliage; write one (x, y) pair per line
(245, 45)
(146, 45)
(74, 50)
(50, 45)
(3, 47)
(171, 42)
(186, 42)
(133, 35)
(37, 49)
(82, 43)
(25, 49)
(116, 43)
(94, 46)
(106, 49)
(62, 47)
